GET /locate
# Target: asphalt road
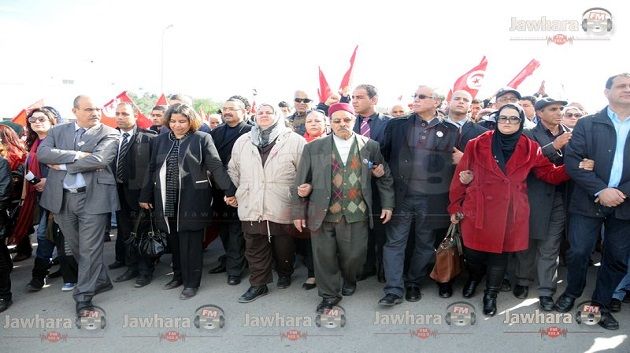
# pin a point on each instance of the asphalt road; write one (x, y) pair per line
(151, 319)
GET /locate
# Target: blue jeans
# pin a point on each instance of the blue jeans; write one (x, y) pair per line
(624, 286)
(394, 250)
(45, 247)
(583, 232)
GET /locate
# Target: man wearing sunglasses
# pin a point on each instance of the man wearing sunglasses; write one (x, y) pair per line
(302, 105)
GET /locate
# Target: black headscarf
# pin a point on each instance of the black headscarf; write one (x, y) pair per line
(503, 145)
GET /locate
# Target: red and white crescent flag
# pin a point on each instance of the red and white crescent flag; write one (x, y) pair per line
(472, 80)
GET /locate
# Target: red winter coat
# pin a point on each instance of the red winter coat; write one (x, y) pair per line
(494, 204)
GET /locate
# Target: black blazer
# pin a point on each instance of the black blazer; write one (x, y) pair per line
(594, 137)
(470, 130)
(377, 126)
(398, 150)
(198, 158)
(137, 161)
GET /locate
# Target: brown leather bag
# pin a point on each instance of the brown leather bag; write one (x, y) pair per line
(448, 257)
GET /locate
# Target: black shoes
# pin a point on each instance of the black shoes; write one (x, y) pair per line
(390, 300)
(348, 290)
(129, 274)
(109, 286)
(506, 286)
(36, 284)
(253, 293)
(469, 288)
(308, 286)
(188, 293)
(608, 322)
(283, 282)
(546, 303)
(234, 280)
(615, 305)
(490, 302)
(327, 303)
(564, 304)
(5, 304)
(84, 305)
(174, 283)
(413, 294)
(116, 264)
(521, 292)
(142, 281)
(445, 290)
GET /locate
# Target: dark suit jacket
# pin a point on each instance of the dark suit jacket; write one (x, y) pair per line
(539, 193)
(58, 148)
(594, 137)
(137, 160)
(398, 150)
(316, 169)
(377, 126)
(470, 130)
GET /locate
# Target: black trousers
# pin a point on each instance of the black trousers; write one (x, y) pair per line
(496, 265)
(187, 250)
(6, 266)
(233, 242)
(125, 252)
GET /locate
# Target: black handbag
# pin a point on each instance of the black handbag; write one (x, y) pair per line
(146, 237)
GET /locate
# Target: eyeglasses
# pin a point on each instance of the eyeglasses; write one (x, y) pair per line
(421, 96)
(302, 100)
(35, 119)
(573, 115)
(509, 120)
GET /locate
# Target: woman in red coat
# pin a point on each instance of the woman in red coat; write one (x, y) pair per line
(493, 208)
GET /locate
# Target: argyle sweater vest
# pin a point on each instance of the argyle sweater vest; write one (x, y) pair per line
(346, 199)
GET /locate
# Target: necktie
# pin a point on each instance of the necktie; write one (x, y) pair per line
(365, 127)
(122, 152)
(71, 179)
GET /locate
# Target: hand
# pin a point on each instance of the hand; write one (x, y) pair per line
(81, 155)
(541, 89)
(610, 197)
(561, 140)
(378, 171)
(457, 155)
(456, 217)
(344, 92)
(231, 201)
(466, 177)
(304, 190)
(386, 215)
(334, 98)
(299, 224)
(40, 186)
(146, 205)
(54, 166)
(587, 164)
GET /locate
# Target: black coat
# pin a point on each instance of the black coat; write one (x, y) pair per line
(398, 150)
(198, 159)
(470, 130)
(594, 137)
(539, 193)
(137, 160)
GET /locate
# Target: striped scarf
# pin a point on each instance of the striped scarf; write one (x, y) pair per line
(172, 177)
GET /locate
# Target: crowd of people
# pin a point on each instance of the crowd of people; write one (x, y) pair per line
(350, 190)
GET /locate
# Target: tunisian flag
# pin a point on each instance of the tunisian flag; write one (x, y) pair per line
(161, 100)
(471, 81)
(525, 73)
(324, 90)
(109, 112)
(347, 77)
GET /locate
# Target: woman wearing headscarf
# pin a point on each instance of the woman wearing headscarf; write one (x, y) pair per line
(178, 189)
(263, 168)
(493, 209)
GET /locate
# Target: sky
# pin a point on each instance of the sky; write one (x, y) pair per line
(216, 49)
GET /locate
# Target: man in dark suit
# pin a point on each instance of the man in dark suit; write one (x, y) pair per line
(226, 217)
(130, 168)
(419, 151)
(371, 124)
(599, 198)
(547, 219)
(81, 191)
(333, 198)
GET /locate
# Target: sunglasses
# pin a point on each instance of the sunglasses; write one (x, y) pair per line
(421, 96)
(40, 119)
(509, 120)
(571, 115)
(302, 100)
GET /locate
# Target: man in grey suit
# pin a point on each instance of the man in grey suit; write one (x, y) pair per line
(333, 197)
(81, 192)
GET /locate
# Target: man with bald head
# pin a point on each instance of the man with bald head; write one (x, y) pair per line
(81, 191)
(458, 109)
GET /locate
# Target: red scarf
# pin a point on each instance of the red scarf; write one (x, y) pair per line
(25, 217)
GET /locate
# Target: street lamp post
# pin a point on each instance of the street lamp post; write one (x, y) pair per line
(162, 59)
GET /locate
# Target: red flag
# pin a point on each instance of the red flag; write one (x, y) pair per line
(161, 100)
(20, 118)
(471, 81)
(324, 90)
(525, 73)
(345, 81)
(109, 112)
